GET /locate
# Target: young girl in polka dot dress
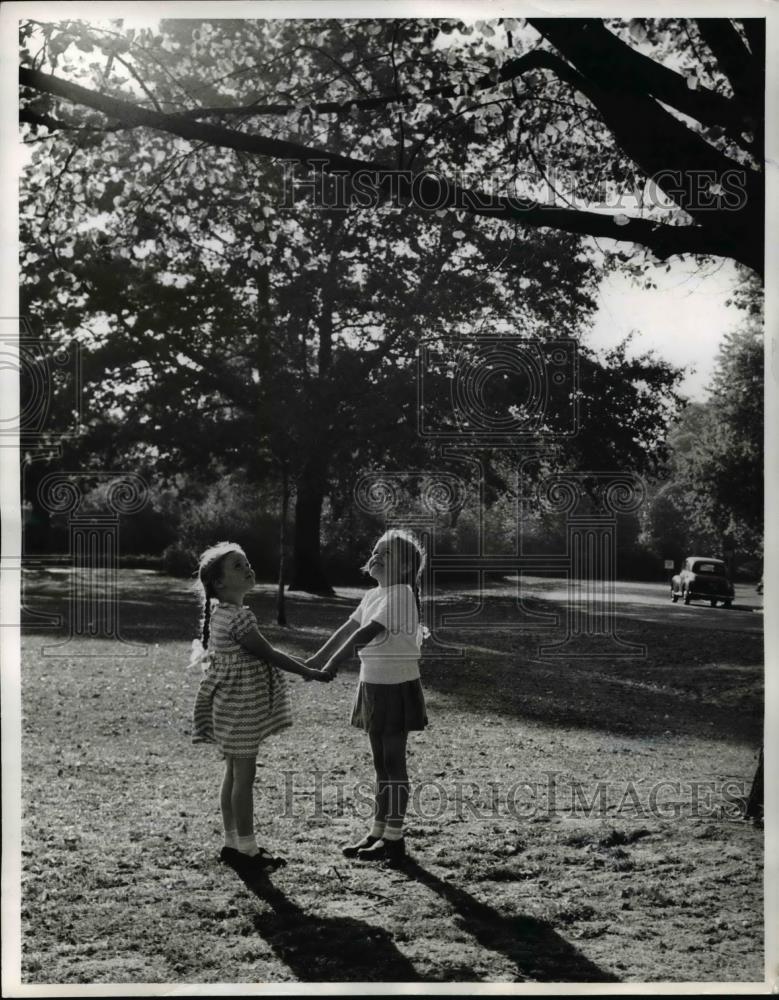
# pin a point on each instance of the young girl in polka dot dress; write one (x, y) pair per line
(243, 696)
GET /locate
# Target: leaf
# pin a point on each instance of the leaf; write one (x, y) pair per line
(637, 29)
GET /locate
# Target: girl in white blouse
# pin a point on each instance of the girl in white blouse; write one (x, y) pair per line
(389, 701)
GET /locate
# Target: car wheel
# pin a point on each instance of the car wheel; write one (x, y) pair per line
(687, 596)
(728, 604)
(713, 602)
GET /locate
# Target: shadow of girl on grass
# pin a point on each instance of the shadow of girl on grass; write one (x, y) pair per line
(344, 949)
(539, 953)
(326, 949)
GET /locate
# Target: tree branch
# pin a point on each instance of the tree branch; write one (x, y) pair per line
(660, 144)
(28, 117)
(643, 75)
(663, 240)
(731, 54)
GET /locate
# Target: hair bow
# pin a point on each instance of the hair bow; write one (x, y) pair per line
(199, 656)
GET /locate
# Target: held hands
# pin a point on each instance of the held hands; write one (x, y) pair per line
(312, 674)
(315, 673)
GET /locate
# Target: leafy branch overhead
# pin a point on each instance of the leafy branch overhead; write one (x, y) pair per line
(647, 132)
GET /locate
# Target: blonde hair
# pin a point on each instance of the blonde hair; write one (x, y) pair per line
(209, 571)
(412, 556)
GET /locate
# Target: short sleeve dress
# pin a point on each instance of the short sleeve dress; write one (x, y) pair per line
(241, 699)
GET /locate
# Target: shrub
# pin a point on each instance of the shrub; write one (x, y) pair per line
(179, 560)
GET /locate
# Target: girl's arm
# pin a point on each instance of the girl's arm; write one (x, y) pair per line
(336, 640)
(361, 637)
(258, 645)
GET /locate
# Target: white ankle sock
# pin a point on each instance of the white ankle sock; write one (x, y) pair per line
(377, 830)
(248, 845)
(231, 839)
(392, 833)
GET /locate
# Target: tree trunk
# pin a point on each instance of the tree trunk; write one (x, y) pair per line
(281, 613)
(309, 574)
(312, 482)
(754, 805)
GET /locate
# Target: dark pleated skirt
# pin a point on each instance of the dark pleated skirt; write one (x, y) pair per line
(389, 708)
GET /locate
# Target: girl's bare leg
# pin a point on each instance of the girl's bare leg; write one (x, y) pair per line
(242, 798)
(397, 783)
(382, 789)
(226, 803)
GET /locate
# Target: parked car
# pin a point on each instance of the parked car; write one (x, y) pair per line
(702, 579)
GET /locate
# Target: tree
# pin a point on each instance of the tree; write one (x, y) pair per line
(712, 499)
(727, 464)
(221, 332)
(668, 105)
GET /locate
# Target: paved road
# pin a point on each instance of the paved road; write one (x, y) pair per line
(651, 602)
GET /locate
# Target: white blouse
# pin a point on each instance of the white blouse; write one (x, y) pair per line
(393, 656)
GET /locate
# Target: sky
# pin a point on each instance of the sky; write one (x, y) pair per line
(683, 320)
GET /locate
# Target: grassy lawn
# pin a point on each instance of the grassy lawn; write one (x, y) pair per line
(509, 882)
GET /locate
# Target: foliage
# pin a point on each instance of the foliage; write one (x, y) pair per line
(224, 328)
(713, 499)
(727, 464)
(600, 109)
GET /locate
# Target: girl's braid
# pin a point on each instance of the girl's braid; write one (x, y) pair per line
(415, 557)
(209, 571)
(208, 595)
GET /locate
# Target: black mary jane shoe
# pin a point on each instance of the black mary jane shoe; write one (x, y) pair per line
(390, 851)
(264, 859)
(261, 861)
(352, 850)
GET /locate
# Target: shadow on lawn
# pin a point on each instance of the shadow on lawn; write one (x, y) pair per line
(326, 949)
(694, 680)
(540, 954)
(342, 949)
